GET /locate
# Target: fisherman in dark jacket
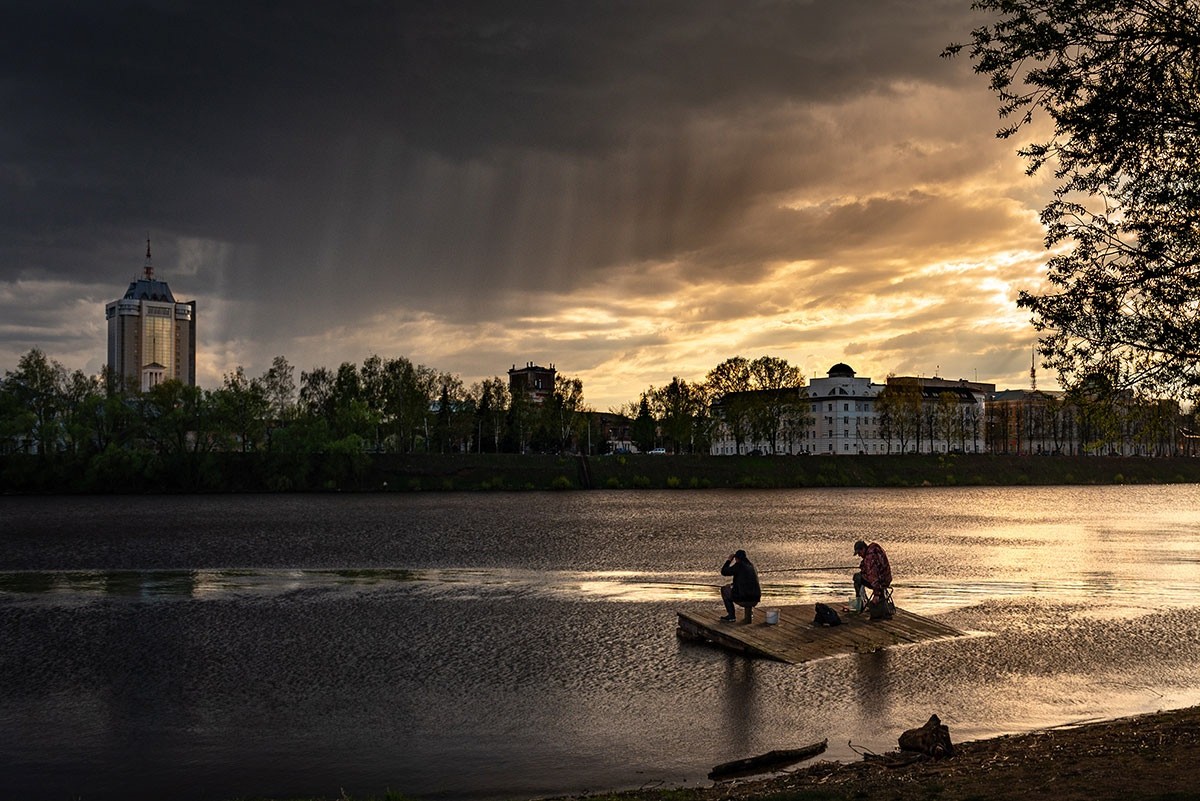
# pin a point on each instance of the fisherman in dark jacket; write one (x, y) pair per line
(744, 589)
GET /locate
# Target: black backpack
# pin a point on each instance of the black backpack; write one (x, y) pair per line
(826, 616)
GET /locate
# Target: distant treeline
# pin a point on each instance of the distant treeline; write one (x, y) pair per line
(394, 425)
(384, 406)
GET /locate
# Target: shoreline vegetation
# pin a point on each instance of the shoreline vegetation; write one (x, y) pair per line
(1149, 757)
(370, 472)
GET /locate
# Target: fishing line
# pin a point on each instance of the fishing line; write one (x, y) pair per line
(803, 569)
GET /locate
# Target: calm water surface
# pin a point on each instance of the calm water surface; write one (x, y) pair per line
(506, 646)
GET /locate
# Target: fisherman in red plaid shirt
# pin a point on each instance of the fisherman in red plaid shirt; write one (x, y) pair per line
(874, 572)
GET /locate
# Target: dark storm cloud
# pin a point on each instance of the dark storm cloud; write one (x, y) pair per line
(215, 119)
(453, 176)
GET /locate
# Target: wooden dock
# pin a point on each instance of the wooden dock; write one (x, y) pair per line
(795, 639)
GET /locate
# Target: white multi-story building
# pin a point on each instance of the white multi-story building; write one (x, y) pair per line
(843, 414)
(835, 414)
(151, 336)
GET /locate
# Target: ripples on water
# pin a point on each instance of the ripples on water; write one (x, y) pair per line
(475, 646)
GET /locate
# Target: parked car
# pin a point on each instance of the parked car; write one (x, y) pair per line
(658, 451)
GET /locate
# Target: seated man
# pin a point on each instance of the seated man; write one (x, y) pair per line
(743, 590)
(874, 572)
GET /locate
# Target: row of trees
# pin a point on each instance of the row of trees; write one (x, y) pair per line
(1092, 419)
(1087, 423)
(752, 397)
(396, 406)
(384, 406)
(914, 423)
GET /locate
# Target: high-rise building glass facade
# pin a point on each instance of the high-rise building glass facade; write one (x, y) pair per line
(151, 336)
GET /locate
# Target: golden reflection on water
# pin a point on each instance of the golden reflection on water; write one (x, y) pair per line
(1104, 593)
(1085, 596)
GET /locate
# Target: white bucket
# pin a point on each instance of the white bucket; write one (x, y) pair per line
(855, 603)
(772, 617)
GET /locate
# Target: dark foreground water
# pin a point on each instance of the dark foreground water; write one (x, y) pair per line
(505, 646)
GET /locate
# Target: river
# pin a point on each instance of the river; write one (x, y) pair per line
(514, 645)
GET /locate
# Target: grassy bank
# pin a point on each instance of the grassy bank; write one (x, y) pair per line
(631, 472)
(360, 472)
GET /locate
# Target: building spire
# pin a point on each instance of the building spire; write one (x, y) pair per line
(149, 269)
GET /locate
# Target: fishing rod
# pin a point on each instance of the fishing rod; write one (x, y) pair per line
(804, 569)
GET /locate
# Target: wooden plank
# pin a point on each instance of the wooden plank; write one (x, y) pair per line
(796, 639)
(765, 763)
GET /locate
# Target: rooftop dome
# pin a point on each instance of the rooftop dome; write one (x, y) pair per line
(841, 370)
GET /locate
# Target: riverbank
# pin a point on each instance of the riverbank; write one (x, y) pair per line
(390, 472)
(1149, 757)
(1140, 758)
(644, 471)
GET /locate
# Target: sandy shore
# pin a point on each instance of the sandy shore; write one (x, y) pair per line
(1155, 756)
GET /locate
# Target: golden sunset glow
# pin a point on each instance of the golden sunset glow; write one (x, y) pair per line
(525, 187)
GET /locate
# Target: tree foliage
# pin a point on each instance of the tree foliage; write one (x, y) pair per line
(492, 401)
(728, 384)
(1120, 83)
(313, 434)
(757, 399)
(681, 409)
(899, 406)
(565, 412)
(777, 399)
(644, 425)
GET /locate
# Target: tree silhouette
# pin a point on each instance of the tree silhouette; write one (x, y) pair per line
(1120, 81)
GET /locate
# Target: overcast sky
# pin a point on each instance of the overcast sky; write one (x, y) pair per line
(629, 190)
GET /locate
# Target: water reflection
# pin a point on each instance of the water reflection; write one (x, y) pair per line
(1100, 588)
(740, 700)
(80, 586)
(871, 688)
(441, 647)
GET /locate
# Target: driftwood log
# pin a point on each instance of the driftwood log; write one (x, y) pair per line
(772, 760)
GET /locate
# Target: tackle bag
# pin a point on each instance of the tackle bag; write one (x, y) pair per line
(826, 616)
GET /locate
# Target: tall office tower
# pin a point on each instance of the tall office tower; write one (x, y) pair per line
(151, 337)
